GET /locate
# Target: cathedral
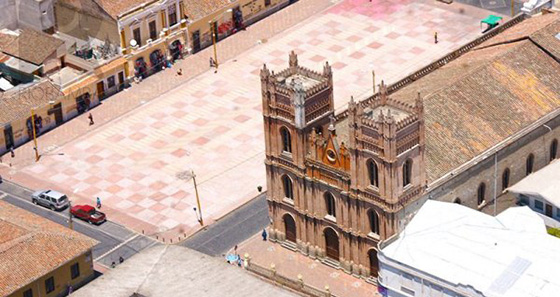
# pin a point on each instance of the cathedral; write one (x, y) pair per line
(462, 129)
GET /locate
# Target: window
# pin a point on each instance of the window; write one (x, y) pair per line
(288, 187)
(75, 270)
(172, 13)
(558, 212)
(111, 81)
(481, 193)
(373, 221)
(523, 200)
(286, 140)
(329, 201)
(373, 173)
(553, 149)
(28, 293)
(407, 172)
(137, 36)
(153, 30)
(505, 179)
(538, 205)
(49, 284)
(529, 164)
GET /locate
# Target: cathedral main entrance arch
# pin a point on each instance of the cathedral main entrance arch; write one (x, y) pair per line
(373, 263)
(290, 227)
(331, 240)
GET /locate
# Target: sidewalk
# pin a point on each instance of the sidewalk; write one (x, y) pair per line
(315, 273)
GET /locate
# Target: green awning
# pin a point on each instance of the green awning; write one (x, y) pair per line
(491, 20)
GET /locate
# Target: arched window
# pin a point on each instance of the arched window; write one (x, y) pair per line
(481, 193)
(505, 179)
(553, 149)
(457, 200)
(329, 201)
(286, 140)
(373, 221)
(373, 173)
(407, 172)
(529, 164)
(288, 187)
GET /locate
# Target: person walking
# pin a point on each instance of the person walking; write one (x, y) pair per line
(435, 38)
(264, 235)
(98, 202)
(90, 117)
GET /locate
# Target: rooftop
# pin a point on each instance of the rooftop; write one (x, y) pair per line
(544, 183)
(198, 9)
(170, 270)
(507, 255)
(31, 246)
(17, 102)
(28, 45)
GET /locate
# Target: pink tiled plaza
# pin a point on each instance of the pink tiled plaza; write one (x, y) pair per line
(139, 163)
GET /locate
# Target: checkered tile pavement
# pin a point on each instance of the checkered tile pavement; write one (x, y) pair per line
(138, 164)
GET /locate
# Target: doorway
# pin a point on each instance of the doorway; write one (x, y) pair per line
(331, 240)
(57, 109)
(548, 210)
(373, 263)
(9, 136)
(196, 41)
(100, 90)
(238, 18)
(290, 226)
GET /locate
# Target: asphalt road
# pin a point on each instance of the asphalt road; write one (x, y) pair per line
(234, 228)
(114, 240)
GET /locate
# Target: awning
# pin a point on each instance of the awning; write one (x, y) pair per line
(491, 20)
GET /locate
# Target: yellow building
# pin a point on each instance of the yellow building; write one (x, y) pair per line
(39, 257)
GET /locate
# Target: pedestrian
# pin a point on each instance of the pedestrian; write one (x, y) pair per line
(12, 152)
(239, 261)
(121, 259)
(113, 264)
(180, 71)
(98, 202)
(90, 117)
(235, 250)
(212, 62)
(264, 234)
(435, 38)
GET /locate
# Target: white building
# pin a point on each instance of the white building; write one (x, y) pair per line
(541, 192)
(451, 250)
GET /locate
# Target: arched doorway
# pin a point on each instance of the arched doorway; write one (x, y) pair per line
(331, 240)
(290, 227)
(176, 50)
(373, 263)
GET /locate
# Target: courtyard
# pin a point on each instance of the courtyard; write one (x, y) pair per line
(140, 162)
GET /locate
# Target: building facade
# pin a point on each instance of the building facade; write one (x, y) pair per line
(337, 188)
(339, 184)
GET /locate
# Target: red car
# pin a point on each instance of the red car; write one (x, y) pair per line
(88, 213)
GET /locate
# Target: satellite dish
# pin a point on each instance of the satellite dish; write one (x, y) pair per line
(133, 43)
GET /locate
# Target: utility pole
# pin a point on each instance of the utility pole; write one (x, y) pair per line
(495, 180)
(214, 42)
(197, 199)
(512, 8)
(373, 74)
(34, 135)
(70, 222)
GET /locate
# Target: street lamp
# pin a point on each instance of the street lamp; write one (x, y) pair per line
(214, 34)
(199, 213)
(34, 135)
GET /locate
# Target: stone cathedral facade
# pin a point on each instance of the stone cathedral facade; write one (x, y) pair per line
(338, 186)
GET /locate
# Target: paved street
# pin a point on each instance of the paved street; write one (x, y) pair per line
(114, 240)
(232, 229)
(139, 161)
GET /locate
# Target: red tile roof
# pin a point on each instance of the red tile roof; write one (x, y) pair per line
(16, 104)
(29, 45)
(32, 246)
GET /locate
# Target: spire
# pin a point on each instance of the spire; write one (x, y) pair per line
(332, 125)
(383, 92)
(293, 60)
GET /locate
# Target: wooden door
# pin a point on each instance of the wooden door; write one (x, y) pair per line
(196, 41)
(290, 226)
(100, 90)
(332, 244)
(9, 136)
(57, 110)
(373, 263)
(548, 210)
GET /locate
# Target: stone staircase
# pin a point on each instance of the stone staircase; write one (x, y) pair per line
(289, 245)
(330, 262)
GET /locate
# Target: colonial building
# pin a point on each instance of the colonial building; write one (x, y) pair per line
(462, 129)
(40, 257)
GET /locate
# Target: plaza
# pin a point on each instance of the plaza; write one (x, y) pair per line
(139, 162)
